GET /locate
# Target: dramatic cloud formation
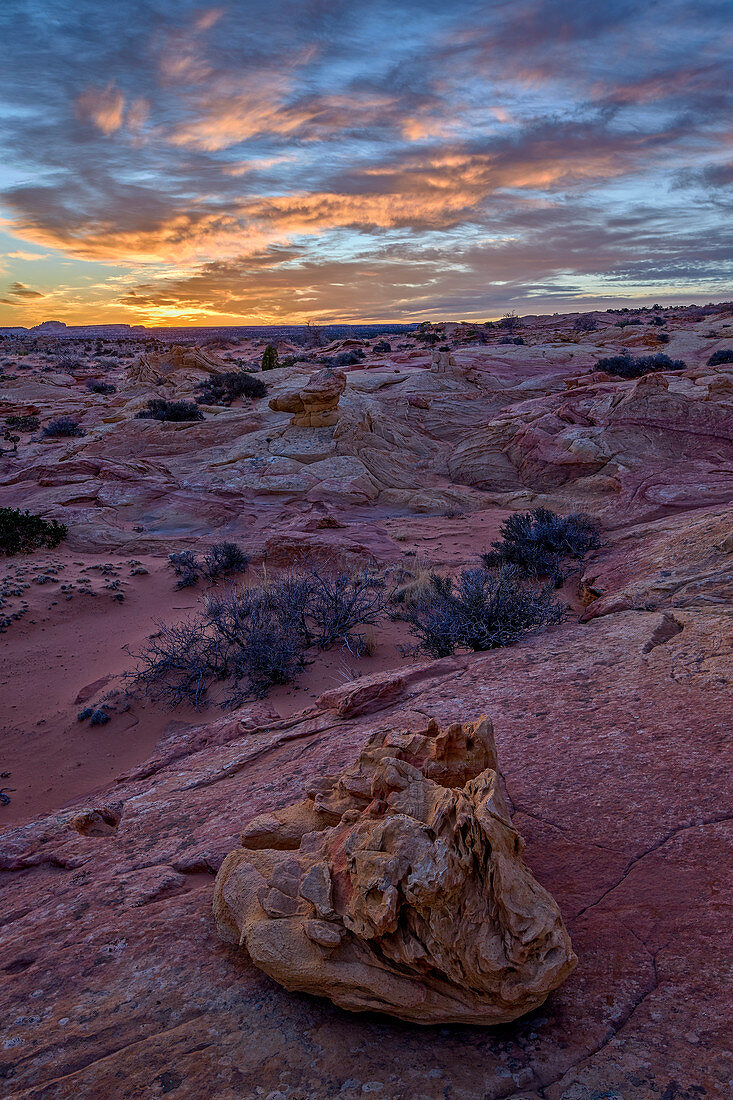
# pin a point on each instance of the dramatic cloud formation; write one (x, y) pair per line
(316, 160)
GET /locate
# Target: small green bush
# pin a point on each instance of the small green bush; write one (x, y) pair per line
(269, 358)
(23, 532)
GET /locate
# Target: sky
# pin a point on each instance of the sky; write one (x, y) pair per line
(282, 161)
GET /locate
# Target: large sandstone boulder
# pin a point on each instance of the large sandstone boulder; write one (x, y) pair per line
(399, 887)
(152, 368)
(315, 405)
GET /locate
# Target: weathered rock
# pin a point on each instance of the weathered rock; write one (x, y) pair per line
(399, 887)
(442, 362)
(681, 561)
(315, 405)
(152, 368)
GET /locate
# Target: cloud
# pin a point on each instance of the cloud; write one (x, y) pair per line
(21, 291)
(362, 151)
(103, 107)
(21, 255)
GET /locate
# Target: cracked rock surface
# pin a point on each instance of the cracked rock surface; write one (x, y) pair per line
(116, 983)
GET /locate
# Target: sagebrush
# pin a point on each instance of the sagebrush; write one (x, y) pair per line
(537, 542)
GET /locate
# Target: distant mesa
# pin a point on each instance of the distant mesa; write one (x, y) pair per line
(59, 328)
(49, 326)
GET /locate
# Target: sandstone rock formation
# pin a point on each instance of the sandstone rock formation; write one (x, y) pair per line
(315, 405)
(152, 368)
(442, 362)
(399, 887)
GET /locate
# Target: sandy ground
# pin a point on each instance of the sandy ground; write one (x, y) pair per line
(73, 644)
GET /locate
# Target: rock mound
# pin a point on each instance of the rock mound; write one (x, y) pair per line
(316, 404)
(399, 887)
(152, 368)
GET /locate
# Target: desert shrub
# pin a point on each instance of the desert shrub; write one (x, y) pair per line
(338, 603)
(658, 321)
(624, 366)
(222, 389)
(62, 427)
(259, 636)
(381, 347)
(269, 357)
(586, 323)
(96, 716)
(23, 423)
(483, 609)
(94, 385)
(253, 638)
(108, 364)
(348, 358)
(725, 355)
(221, 560)
(509, 321)
(537, 542)
(170, 411)
(511, 340)
(67, 364)
(185, 567)
(23, 532)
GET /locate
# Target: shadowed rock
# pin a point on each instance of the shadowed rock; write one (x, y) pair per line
(399, 887)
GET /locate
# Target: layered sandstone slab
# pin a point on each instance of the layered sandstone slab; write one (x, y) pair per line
(399, 887)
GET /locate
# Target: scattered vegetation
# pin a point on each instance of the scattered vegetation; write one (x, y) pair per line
(94, 385)
(96, 716)
(223, 559)
(170, 411)
(269, 358)
(348, 358)
(483, 609)
(63, 427)
(536, 543)
(259, 636)
(222, 389)
(725, 355)
(585, 323)
(624, 366)
(23, 423)
(24, 532)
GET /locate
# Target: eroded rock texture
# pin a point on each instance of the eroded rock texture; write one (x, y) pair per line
(154, 368)
(399, 887)
(315, 405)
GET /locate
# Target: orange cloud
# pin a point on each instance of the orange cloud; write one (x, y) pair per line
(103, 107)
